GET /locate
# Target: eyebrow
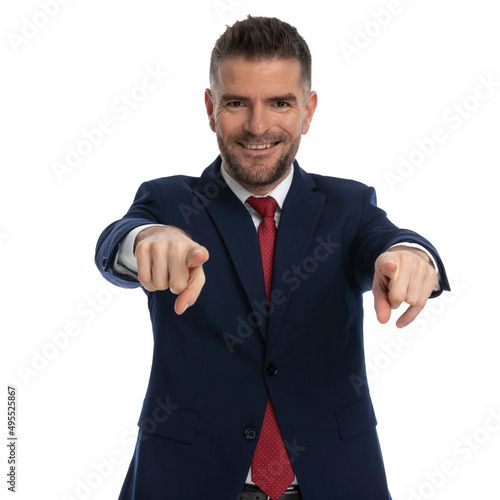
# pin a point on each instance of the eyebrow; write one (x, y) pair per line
(292, 98)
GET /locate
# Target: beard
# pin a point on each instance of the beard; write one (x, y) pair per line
(257, 172)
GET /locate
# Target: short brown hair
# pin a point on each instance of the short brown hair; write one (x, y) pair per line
(262, 38)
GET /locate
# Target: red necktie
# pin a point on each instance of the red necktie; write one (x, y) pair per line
(271, 468)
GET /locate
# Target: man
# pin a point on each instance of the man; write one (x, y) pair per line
(254, 274)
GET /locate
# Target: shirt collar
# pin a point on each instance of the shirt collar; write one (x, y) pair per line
(278, 193)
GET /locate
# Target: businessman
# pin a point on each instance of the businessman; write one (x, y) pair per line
(254, 274)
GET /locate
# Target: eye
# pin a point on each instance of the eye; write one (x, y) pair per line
(235, 104)
(281, 104)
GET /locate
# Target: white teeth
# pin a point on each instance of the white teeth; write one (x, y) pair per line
(258, 146)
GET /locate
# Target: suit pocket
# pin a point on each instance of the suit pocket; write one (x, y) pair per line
(162, 418)
(356, 418)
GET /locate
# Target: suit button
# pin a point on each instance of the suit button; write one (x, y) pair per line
(104, 262)
(251, 433)
(271, 369)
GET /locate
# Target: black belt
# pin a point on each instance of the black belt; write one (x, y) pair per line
(251, 492)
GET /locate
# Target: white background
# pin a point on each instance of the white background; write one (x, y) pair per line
(62, 74)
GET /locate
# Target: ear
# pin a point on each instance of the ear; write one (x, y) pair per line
(312, 102)
(210, 108)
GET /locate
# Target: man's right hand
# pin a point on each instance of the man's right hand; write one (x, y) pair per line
(168, 258)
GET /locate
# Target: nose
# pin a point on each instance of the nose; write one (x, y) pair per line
(258, 120)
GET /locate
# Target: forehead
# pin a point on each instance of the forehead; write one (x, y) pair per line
(259, 77)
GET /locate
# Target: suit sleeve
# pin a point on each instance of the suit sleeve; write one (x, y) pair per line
(146, 209)
(376, 234)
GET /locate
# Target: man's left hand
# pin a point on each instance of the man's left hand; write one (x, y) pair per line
(402, 274)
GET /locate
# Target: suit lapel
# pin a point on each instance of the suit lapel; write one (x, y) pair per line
(301, 211)
(237, 230)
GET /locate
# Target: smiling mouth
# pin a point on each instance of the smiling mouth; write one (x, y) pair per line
(268, 145)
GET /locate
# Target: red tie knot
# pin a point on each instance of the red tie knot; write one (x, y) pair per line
(266, 207)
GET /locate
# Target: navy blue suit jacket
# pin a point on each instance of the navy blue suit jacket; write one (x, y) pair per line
(215, 366)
